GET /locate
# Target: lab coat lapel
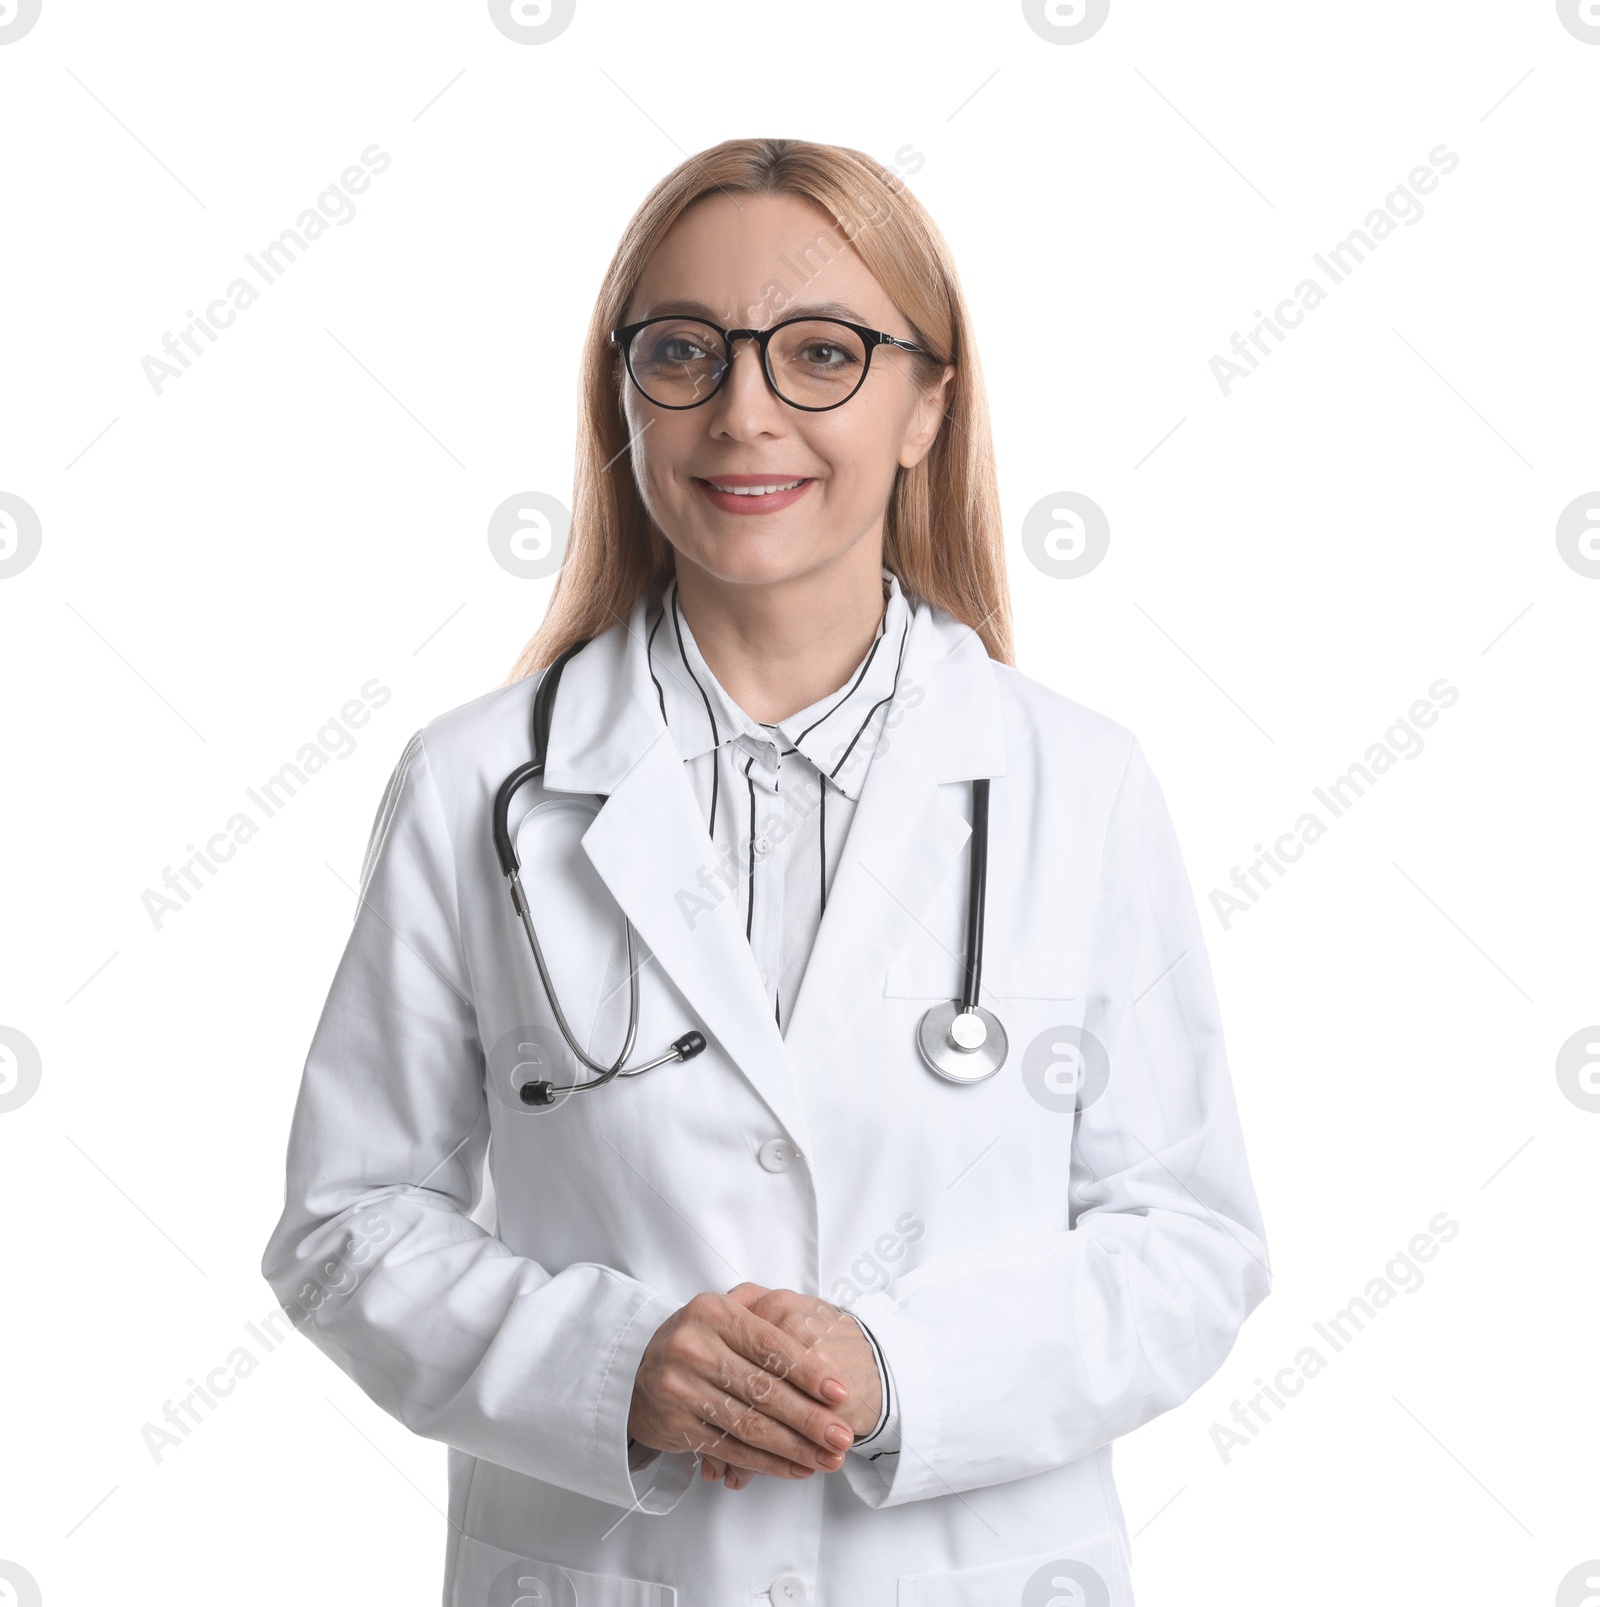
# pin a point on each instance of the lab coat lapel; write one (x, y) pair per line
(908, 831)
(650, 845)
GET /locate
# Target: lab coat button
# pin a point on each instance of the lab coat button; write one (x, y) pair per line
(762, 846)
(778, 1155)
(788, 1590)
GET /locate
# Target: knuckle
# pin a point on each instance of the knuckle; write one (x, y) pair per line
(787, 1445)
(681, 1387)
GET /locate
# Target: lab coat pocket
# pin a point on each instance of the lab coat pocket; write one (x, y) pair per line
(1092, 1573)
(486, 1576)
(923, 970)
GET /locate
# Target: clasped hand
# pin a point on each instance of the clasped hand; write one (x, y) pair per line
(756, 1381)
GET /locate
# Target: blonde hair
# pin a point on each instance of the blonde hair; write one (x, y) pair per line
(942, 528)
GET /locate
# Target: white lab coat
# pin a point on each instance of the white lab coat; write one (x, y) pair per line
(1042, 1277)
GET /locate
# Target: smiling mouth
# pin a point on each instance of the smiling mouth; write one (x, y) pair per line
(756, 490)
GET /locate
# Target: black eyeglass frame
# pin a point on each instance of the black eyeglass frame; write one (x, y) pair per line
(870, 338)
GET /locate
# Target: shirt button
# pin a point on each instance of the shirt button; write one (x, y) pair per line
(778, 1155)
(762, 846)
(788, 1590)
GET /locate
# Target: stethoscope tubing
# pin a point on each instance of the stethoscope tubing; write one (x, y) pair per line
(960, 1041)
(520, 900)
(686, 1047)
(977, 893)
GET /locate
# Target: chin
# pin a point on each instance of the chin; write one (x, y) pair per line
(753, 561)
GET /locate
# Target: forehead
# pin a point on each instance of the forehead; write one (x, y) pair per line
(747, 259)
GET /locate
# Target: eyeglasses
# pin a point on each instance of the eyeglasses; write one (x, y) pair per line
(810, 363)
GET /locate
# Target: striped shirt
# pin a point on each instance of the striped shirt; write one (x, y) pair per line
(778, 799)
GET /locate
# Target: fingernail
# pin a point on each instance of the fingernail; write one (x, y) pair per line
(840, 1438)
(833, 1389)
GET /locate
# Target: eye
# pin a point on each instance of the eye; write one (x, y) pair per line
(825, 354)
(679, 344)
(674, 348)
(679, 349)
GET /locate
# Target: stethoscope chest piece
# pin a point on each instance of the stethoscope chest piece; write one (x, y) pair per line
(962, 1045)
(960, 1040)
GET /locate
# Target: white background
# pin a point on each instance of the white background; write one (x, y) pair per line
(224, 565)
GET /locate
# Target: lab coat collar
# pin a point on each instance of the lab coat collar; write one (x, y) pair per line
(836, 733)
(650, 845)
(947, 707)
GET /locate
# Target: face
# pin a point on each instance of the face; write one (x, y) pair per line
(721, 261)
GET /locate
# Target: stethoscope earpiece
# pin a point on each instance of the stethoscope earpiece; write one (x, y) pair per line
(544, 1093)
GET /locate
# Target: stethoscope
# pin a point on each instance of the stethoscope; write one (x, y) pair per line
(959, 1040)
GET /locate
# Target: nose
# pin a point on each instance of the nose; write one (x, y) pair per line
(748, 348)
(744, 399)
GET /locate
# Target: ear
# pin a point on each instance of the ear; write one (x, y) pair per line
(922, 429)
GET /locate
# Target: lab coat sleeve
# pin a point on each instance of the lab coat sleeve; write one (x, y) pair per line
(1022, 1356)
(376, 1259)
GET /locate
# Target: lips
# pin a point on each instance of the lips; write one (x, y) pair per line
(766, 489)
(753, 493)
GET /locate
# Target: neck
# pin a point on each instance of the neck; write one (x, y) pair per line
(780, 646)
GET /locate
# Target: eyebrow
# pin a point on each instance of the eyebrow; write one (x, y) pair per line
(808, 309)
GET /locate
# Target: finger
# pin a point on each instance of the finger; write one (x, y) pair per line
(759, 1443)
(785, 1405)
(803, 1317)
(748, 1293)
(781, 1354)
(733, 1477)
(777, 1417)
(810, 1321)
(719, 1451)
(783, 1308)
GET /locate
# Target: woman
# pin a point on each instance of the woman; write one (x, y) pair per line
(892, 1321)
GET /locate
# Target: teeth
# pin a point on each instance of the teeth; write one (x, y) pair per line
(755, 490)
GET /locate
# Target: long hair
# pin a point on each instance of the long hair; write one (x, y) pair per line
(942, 529)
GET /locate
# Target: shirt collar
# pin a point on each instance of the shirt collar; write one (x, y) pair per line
(837, 733)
